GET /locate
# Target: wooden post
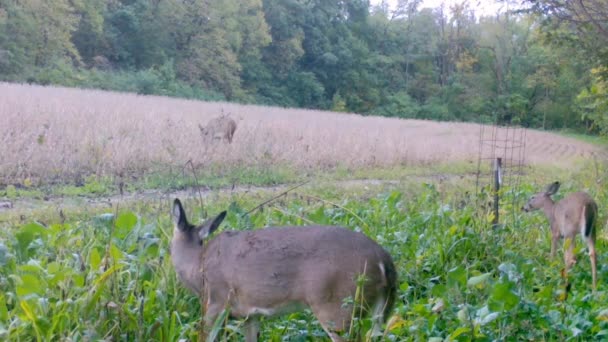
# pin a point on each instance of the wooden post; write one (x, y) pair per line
(497, 183)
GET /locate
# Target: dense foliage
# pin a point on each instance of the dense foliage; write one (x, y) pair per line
(444, 63)
(110, 276)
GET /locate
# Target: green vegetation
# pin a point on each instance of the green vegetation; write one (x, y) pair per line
(163, 180)
(544, 68)
(592, 139)
(108, 274)
(222, 178)
(78, 271)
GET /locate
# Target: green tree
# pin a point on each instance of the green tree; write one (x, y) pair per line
(35, 34)
(230, 32)
(593, 103)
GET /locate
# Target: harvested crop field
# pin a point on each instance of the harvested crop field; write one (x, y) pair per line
(50, 133)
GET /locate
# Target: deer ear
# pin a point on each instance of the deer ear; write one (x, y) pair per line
(552, 188)
(211, 225)
(179, 215)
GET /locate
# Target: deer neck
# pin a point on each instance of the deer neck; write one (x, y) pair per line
(187, 260)
(549, 210)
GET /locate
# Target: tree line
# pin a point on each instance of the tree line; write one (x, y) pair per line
(542, 67)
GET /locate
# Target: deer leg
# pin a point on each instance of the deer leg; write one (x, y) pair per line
(569, 258)
(213, 310)
(554, 241)
(202, 335)
(593, 258)
(333, 318)
(252, 329)
(378, 316)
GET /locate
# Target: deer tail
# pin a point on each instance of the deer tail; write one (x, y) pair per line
(588, 221)
(390, 276)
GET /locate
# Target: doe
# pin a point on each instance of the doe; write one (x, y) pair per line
(279, 270)
(576, 213)
(220, 128)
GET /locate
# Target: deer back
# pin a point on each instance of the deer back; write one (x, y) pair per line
(575, 213)
(275, 269)
(222, 127)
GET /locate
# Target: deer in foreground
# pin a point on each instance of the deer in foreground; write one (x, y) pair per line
(278, 270)
(220, 128)
(576, 213)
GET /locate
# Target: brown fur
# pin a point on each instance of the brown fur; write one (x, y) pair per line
(283, 269)
(574, 214)
(220, 128)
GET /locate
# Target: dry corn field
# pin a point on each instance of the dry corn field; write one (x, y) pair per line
(49, 134)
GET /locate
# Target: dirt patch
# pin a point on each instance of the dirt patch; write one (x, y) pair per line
(22, 205)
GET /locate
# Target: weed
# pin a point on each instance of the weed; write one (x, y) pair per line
(108, 275)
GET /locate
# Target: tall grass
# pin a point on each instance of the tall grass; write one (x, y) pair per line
(50, 134)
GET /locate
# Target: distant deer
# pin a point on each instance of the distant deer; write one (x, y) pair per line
(278, 270)
(574, 214)
(219, 128)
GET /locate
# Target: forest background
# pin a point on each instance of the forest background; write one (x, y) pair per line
(543, 65)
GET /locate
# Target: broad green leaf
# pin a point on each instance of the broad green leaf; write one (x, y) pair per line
(489, 318)
(53, 267)
(457, 276)
(125, 224)
(439, 290)
(463, 315)
(395, 322)
(78, 280)
(462, 330)
(603, 315)
(479, 280)
(28, 233)
(3, 309)
(30, 284)
(116, 253)
(503, 295)
(94, 259)
(602, 333)
(56, 273)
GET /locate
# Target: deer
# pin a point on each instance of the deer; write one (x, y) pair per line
(278, 270)
(219, 128)
(576, 213)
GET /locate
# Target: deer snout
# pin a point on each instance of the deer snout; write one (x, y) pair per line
(525, 208)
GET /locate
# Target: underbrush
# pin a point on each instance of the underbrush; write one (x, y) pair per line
(218, 177)
(163, 179)
(109, 276)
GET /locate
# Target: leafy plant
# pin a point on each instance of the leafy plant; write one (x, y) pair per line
(109, 276)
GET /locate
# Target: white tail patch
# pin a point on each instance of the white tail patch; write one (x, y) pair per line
(584, 224)
(383, 271)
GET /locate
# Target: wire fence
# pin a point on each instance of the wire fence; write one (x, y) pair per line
(500, 165)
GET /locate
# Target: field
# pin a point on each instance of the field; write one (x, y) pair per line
(82, 260)
(63, 135)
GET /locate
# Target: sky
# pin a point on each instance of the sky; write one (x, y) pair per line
(481, 7)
